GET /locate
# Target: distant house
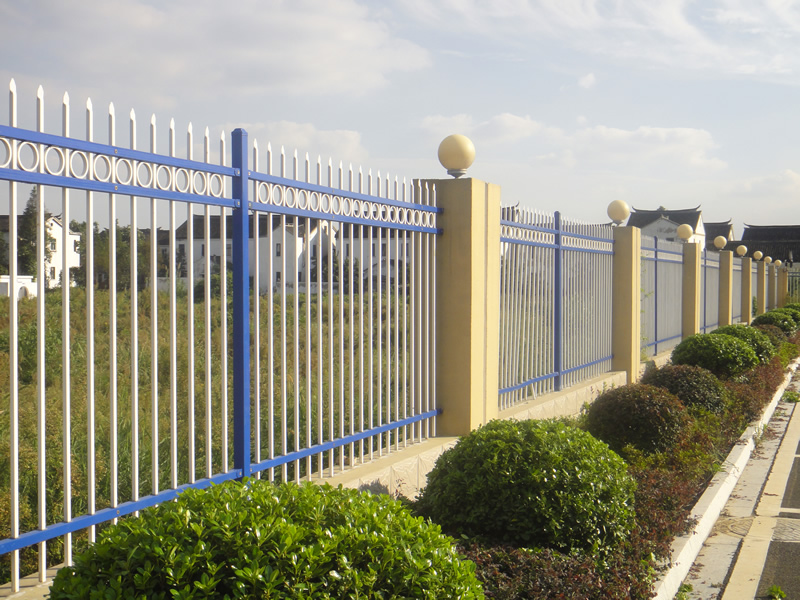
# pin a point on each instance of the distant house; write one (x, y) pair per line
(663, 223)
(714, 230)
(297, 246)
(781, 242)
(25, 283)
(362, 245)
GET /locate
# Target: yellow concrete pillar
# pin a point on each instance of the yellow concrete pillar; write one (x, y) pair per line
(783, 287)
(761, 281)
(626, 301)
(725, 287)
(690, 302)
(747, 290)
(467, 304)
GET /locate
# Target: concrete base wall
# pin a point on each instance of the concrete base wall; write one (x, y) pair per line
(405, 472)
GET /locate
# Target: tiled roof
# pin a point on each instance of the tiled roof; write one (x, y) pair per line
(641, 218)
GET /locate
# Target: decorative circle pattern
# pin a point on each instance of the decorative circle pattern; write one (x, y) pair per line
(107, 168)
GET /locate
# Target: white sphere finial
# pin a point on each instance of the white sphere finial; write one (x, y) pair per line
(758, 254)
(768, 259)
(741, 250)
(456, 153)
(720, 242)
(618, 211)
(778, 263)
(685, 231)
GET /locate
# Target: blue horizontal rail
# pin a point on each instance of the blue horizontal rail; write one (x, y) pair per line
(107, 514)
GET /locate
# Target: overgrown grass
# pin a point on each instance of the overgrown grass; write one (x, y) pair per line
(308, 392)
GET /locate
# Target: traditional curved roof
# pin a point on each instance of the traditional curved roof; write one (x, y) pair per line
(641, 218)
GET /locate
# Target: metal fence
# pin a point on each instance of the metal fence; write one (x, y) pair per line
(709, 264)
(244, 314)
(794, 284)
(736, 290)
(662, 284)
(555, 303)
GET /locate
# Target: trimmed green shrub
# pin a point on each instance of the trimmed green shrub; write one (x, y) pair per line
(775, 334)
(793, 305)
(694, 386)
(259, 540)
(533, 484)
(647, 417)
(779, 319)
(795, 314)
(723, 355)
(757, 340)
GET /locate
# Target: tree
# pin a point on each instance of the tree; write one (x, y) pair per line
(27, 236)
(102, 256)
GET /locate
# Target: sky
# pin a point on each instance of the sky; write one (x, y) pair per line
(571, 104)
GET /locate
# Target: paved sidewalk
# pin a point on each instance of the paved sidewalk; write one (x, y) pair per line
(755, 543)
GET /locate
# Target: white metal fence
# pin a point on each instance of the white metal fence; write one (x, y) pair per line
(555, 303)
(709, 276)
(662, 285)
(293, 335)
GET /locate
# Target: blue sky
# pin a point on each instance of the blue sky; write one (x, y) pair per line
(570, 103)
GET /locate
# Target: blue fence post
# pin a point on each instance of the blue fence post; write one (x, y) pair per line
(558, 292)
(241, 306)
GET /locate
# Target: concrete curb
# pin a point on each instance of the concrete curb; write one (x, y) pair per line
(685, 548)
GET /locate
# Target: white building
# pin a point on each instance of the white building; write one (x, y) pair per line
(291, 249)
(53, 267)
(663, 223)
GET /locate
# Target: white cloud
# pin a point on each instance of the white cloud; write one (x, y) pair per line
(249, 48)
(652, 149)
(753, 37)
(335, 145)
(587, 81)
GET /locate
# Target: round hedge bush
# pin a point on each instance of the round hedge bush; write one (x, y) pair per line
(757, 340)
(793, 305)
(259, 540)
(779, 319)
(723, 355)
(647, 417)
(694, 386)
(792, 312)
(775, 334)
(539, 484)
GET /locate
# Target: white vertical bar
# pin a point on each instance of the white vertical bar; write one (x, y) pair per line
(65, 348)
(432, 361)
(256, 320)
(207, 307)
(362, 395)
(90, 393)
(190, 392)
(153, 328)
(284, 400)
(271, 328)
(113, 412)
(307, 252)
(340, 296)
(320, 341)
(352, 296)
(134, 249)
(223, 286)
(379, 309)
(370, 347)
(331, 390)
(13, 342)
(173, 329)
(40, 355)
(296, 318)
